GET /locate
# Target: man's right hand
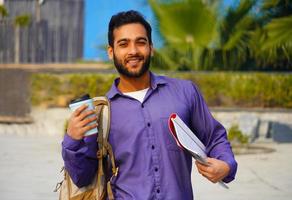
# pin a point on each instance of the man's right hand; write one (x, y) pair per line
(78, 123)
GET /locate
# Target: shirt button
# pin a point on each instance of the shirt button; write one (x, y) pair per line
(142, 105)
(156, 169)
(148, 124)
(153, 147)
(158, 191)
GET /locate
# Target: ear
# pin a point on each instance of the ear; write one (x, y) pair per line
(110, 52)
(151, 50)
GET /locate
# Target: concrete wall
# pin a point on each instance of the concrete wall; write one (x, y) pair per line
(261, 127)
(15, 95)
(264, 125)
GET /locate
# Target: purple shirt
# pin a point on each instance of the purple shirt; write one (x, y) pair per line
(151, 165)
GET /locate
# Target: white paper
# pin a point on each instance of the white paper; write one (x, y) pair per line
(187, 138)
(190, 142)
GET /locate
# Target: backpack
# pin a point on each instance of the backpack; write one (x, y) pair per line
(100, 187)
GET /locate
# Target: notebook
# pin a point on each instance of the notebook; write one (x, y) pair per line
(188, 141)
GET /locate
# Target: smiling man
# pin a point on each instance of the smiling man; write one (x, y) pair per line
(151, 165)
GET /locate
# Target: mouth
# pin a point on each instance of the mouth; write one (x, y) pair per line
(133, 61)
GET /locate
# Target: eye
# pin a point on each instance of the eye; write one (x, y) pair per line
(141, 42)
(123, 44)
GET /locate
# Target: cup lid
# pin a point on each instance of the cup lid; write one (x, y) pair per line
(84, 97)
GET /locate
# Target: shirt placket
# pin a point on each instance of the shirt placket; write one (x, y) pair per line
(155, 153)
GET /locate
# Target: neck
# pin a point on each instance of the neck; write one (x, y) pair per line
(129, 84)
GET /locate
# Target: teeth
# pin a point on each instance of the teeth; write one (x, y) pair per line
(131, 59)
(133, 62)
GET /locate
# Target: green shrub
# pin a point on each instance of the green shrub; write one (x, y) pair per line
(235, 136)
(227, 89)
(236, 89)
(50, 90)
(44, 88)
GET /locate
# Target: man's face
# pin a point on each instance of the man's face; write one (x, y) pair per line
(131, 51)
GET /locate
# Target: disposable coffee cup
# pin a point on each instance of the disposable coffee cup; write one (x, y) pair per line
(75, 104)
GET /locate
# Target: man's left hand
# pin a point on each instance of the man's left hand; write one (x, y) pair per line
(215, 171)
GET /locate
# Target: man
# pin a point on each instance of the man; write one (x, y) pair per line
(151, 165)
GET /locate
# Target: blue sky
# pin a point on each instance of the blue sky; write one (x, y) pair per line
(97, 16)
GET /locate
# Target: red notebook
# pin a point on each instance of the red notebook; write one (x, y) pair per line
(187, 140)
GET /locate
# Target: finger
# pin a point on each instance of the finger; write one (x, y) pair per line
(198, 163)
(208, 169)
(85, 114)
(210, 177)
(211, 161)
(87, 121)
(89, 127)
(79, 110)
(202, 170)
(202, 166)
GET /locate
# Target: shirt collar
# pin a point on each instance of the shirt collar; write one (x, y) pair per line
(155, 82)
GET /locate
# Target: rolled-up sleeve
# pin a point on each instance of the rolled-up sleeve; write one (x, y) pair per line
(80, 159)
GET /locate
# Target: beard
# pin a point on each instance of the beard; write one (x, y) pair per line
(122, 69)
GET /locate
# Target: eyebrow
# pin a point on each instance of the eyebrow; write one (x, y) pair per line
(122, 40)
(142, 38)
(126, 40)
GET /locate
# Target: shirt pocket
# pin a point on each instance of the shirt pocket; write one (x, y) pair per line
(170, 142)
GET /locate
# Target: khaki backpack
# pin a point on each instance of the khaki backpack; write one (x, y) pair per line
(100, 187)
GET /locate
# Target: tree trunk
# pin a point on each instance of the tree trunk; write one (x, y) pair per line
(37, 11)
(16, 44)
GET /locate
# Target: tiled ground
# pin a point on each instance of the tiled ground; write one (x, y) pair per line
(29, 168)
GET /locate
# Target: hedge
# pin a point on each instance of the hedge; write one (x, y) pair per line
(225, 89)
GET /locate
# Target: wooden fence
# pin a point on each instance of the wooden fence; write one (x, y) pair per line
(56, 37)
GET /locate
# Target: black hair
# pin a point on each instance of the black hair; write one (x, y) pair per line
(127, 17)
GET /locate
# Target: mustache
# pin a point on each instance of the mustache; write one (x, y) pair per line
(137, 56)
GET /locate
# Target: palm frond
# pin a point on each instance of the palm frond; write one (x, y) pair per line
(188, 21)
(273, 43)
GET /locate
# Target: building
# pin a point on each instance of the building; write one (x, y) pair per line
(54, 34)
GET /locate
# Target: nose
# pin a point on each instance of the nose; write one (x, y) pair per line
(133, 49)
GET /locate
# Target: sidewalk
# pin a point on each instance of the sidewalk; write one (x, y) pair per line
(259, 177)
(29, 167)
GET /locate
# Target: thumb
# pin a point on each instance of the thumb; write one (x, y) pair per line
(210, 160)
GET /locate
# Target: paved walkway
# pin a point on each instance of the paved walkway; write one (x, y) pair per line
(259, 177)
(29, 168)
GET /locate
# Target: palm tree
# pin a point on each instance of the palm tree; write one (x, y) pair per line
(37, 6)
(198, 37)
(187, 26)
(271, 42)
(232, 50)
(252, 35)
(3, 12)
(19, 21)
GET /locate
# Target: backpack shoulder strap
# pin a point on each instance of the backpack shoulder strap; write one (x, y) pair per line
(102, 108)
